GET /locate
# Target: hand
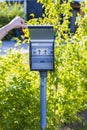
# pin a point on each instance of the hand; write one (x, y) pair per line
(17, 22)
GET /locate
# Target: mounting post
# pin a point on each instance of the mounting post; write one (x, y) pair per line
(43, 76)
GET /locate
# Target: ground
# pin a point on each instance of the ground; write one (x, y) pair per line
(77, 125)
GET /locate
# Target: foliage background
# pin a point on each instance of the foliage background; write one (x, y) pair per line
(66, 86)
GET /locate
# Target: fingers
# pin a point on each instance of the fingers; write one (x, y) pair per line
(18, 22)
(22, 23)
(24, 26)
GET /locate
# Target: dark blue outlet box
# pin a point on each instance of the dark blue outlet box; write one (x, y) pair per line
(41, 47)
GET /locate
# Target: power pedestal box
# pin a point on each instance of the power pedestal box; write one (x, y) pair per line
(41, 47)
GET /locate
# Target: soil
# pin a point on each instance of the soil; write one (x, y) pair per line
(77, 125)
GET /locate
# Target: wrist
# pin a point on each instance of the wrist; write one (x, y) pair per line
(10, 26)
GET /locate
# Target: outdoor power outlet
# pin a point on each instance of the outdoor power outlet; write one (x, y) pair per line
(41, 47)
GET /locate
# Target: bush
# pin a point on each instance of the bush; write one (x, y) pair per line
(66, 89)
(68, 92)
(19, 94)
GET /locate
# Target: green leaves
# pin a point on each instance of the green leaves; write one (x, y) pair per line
(19, 93)
(67, 84)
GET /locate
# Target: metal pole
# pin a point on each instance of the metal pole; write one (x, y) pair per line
(43, 75)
